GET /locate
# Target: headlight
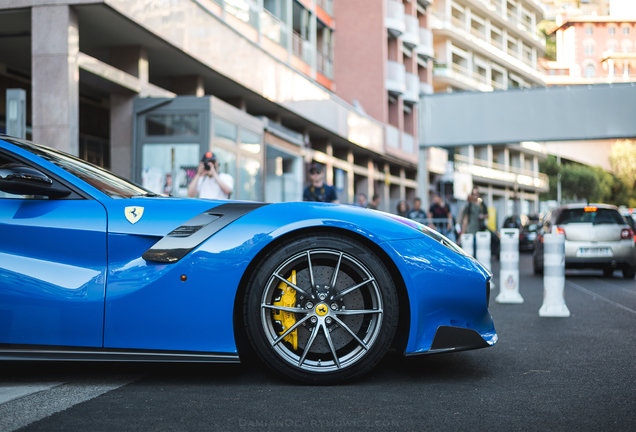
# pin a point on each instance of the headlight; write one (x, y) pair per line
(429, 232)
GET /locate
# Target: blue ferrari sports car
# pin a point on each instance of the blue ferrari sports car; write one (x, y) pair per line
(94, 267)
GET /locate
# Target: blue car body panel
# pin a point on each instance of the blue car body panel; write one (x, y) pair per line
(51, 284)
(99, 292)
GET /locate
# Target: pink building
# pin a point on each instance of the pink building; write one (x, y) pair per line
(594, 50)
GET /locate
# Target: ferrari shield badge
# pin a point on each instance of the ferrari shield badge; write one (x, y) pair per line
(133, 214)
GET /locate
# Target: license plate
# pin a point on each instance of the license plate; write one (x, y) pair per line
(594, 252)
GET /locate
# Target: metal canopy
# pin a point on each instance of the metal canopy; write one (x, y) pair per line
(543, 114)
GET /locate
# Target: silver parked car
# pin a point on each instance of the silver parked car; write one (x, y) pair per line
(596, 236)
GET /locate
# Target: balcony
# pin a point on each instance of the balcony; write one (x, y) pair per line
(498, 174)
(396, 80)
(461, 77)
(324, 64)
(273, 28)
(411, 36)
(392, 136)
(425, 3)
(394, 19)
(301, 48)
(326, 5)
(426, 89)
(408, 143)
(412, 93)
(425, 48)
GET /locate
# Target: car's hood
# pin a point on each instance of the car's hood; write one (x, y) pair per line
(160, 216)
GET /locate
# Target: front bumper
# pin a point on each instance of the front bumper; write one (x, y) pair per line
(449, 339)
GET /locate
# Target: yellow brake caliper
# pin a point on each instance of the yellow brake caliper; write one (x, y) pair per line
(287, 319)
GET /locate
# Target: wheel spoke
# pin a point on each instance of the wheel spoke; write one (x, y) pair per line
(300, 290)
(309, 343)
(344, 326)
(286, 309)
(353, 288)
(330, 342)
(358, 312)
(311, 271)
(335, 273)
(289, 330)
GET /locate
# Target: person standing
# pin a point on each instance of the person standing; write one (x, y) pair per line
(440, 217)
(474, 214)
(317, 190)
(208, 183)
(375, 202)
(403, 209)
(362, 201)
(417, 213)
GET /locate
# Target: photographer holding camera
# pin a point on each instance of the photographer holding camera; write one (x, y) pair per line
(208, 182)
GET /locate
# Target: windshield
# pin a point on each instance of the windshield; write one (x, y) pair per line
(101, 179)
(590, 214)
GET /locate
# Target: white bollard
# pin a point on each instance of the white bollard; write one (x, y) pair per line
(467, 244)
(509, 272)
(483, 249)
(554, 276)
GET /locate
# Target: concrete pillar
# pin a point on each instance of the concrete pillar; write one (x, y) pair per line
(422, 177)
(329, 168)
(386, 198)
(133, 60)
(371, 180)
(55, 77)
(188, 85)
(350, 177)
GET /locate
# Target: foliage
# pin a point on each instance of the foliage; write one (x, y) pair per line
(578, 182)
(623, 161)
(594, 184)
(550, 39)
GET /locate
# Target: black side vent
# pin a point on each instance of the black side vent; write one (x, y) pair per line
(182, 240)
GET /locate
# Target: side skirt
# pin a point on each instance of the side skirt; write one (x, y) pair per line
(47, 353)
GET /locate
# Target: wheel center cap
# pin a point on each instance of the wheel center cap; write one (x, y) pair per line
(322, 309)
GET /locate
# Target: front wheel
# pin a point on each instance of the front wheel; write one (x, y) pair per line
(321, 309)
(629, 272)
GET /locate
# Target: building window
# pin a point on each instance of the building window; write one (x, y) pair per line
(626, 45)
(612, 30)
(590, 71)
(589, 49)
(612, 46)
(626, 31)
(589, 30)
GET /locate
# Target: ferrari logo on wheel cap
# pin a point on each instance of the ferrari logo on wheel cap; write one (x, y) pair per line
(133, 214)
(322, 309)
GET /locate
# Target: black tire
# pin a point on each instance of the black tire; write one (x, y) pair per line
(330, 342)
(608, 272)
(629, 272)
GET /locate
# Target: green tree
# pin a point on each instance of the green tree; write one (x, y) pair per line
(545, 27)
(552, 169)
(578, 182)
(623, 161)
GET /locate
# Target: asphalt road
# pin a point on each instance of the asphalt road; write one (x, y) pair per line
(557, 374)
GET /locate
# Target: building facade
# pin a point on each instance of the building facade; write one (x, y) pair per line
(593, 50)
(382, 65)
(144, 87)
(487, 45)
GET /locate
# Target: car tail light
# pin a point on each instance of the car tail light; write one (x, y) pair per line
(590, 208)
(627, 233)
(560, 231)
